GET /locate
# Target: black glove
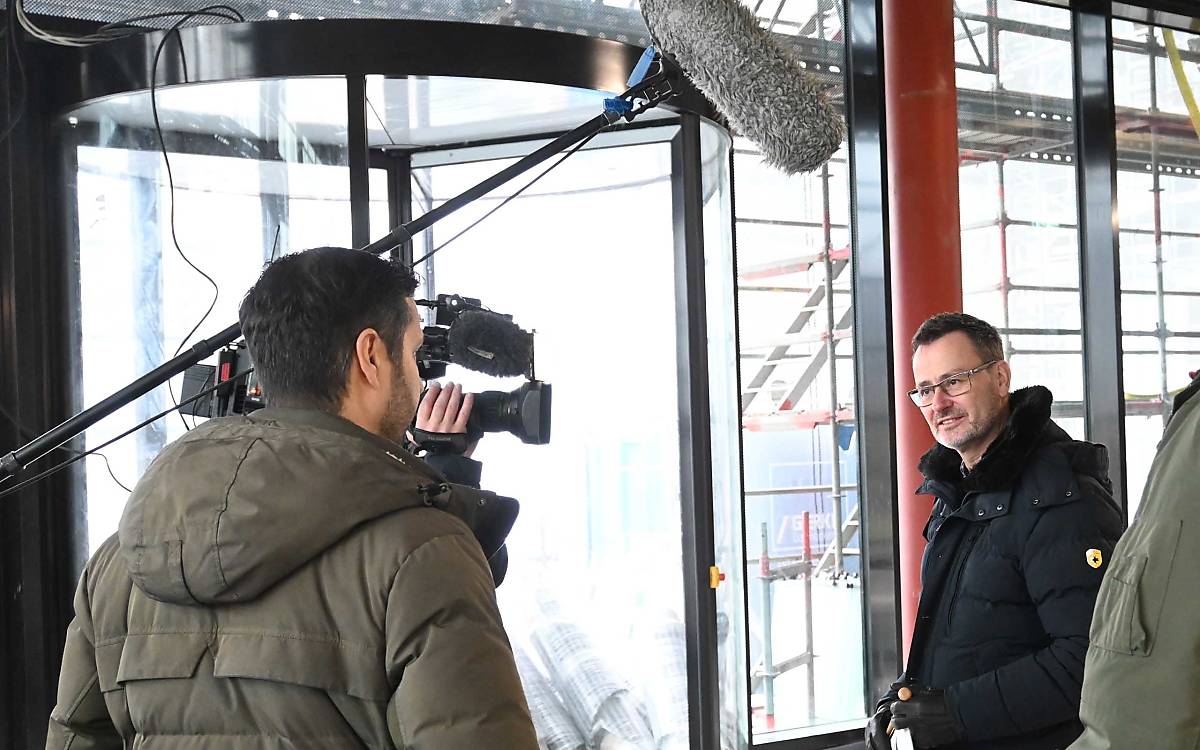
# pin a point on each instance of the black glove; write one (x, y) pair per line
(927, 714)
(877, 737)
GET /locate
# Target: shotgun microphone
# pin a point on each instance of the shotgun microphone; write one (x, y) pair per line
(490, 343)
(751, 78)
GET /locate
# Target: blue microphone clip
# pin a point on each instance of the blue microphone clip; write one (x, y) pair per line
(642, 67)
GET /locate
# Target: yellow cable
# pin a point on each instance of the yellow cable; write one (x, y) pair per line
(1185, 88)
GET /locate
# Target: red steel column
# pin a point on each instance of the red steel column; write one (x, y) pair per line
(922, 155)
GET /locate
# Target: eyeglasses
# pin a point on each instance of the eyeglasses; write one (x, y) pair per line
(952, 385)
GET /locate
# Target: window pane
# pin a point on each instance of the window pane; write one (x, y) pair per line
(593, 600)
(258, 170)
(1158, 198)
(1020, 244)
(800, 450)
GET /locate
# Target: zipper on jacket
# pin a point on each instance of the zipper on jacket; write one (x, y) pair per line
(958, 573)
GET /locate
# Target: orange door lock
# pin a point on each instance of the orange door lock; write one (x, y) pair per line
(715, 576)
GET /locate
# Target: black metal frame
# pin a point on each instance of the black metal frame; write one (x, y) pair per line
(400, 201)
(351, 48)
(1100, 272)
(1175, 13)
(695, 446)
(39, 527)
(359, 160)
(876, 397)
(397, 166)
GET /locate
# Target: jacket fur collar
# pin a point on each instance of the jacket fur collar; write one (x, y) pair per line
(1028, 428)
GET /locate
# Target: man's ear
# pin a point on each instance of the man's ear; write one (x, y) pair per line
(1003, 376)
(369, 353)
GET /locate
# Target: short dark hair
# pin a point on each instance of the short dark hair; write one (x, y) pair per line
(982, 334)
(302, 317)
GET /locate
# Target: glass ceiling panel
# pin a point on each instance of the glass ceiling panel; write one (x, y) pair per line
(404, 112)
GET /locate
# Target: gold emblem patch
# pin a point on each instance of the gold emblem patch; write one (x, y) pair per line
(1094, 558)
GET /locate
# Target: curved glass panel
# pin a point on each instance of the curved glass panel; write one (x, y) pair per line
(259, 169)
(594, 594)
(401, 112)
(593, 601)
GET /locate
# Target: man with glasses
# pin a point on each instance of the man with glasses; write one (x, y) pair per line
(1022, 527)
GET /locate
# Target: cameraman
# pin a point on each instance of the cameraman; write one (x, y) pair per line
(293, 577)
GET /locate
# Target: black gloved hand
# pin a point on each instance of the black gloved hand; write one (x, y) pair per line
(876, 735)
(927, 714)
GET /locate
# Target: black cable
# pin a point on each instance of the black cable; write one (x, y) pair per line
(382, 124)
(27, 433)
(226, 12)
(162, 143)
(505, 202)
(59, 467)
(14, 41)
(123, 28)
(218, 11)
(106, 32)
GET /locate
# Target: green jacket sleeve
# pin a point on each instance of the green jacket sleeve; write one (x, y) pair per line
(80, 720)
(449, 656)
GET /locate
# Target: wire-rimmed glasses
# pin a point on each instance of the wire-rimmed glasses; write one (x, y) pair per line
(955, 384)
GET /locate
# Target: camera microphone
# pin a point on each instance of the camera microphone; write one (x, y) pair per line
(490, 343)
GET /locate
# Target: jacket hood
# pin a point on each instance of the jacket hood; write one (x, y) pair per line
(239, 503)
(1028, 430)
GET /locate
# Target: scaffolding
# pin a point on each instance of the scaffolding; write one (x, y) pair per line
(996, 125)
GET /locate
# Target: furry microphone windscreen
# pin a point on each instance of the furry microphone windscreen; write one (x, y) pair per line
(750, 77)
(489, 343)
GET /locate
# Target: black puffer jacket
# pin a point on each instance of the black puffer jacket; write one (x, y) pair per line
(1010, 576)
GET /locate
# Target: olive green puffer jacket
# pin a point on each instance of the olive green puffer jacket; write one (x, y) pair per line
(289, 580)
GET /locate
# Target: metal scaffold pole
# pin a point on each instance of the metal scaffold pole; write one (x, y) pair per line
(1156, 190)
(764, 571)
(831, 363)
(808, 621)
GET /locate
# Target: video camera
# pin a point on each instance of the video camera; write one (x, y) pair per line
(463, 333)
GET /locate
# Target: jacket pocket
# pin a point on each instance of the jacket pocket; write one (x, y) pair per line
(1130, 601)
(157, 656)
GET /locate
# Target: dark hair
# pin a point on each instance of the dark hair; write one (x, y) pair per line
(302, 317)
(982, 334)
